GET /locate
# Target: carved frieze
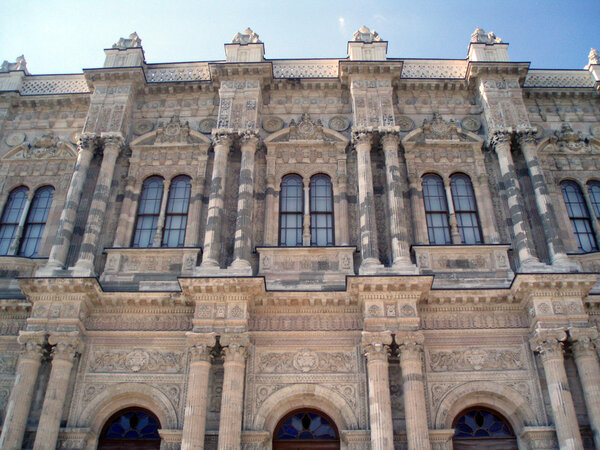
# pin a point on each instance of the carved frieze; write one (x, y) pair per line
(475, 359)
(153, 322)
(137, 360)
(306, 361)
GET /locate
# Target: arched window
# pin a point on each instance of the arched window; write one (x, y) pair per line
(480, 428)
(594, 190)
(148, 211)
(465, 209)
(36, 221)
(308, 428)
(176, 214)
(579, 215)
(291, 211)
(321, 211)
(133, 428)
(436, 210)
(11, 217)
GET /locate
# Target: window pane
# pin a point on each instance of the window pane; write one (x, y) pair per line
(148, 211)
(580, 219)
(11, 217)
(176, 213)
(291, 211)
(436, 210)
(36, 221)
(321, 206)
(466, 209)
(594, 190)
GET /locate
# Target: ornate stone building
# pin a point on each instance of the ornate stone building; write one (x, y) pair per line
(367, 252)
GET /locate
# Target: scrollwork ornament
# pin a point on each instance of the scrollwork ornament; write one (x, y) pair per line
(235, 346)
(527, 136)
(549, 343)
(87, 142)
(376, 346)
(32, 343)
(362, 138)
(499, 138)
(222, 139)
(249, 140)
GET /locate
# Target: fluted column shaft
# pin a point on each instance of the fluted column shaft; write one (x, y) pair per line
(396, 211)
(343, 235)
(21, 395)
(588, 368)
(271, 210)
(194, 423)
(230, 421)
(64, 233)
(366, 200)
(375, 346)
(543, 202)
(212, 234)
(487, 215)
(418, 210)
(127, 215)
(97, 213)
(415, 407)
(501, 142)
(63, 355)
(160, 223)
(563, 409)
(14, 245)
(192, 234)
(243, 225)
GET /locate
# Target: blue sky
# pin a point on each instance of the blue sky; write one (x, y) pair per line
(64, 36)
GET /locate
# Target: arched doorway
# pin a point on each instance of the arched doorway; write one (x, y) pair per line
(482, 428)
(130, 428)
(306, 429)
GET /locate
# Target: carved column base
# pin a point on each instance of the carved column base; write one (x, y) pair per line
(83, 268)
(240, 267)
(562, 263)
(404, 266)
(371, 266)
(534, 265)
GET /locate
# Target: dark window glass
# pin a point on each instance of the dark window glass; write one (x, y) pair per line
(594, 190)
(465, 209)
(148, 211)
(305, 426)
(291, 211)
(11, 217)
(579, 215)
(436, 210)
(176, 214)
(36, 221)
(481, 424)
(133, 425)
(321, 211)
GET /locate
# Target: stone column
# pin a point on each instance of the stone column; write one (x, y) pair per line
(112, 146)
(586, 360)
(194, 422)
(375, 346)
(548, 343)
(232, 399)
(14, 245)
(366, 203)
(343, 235)
(66, 345)
(243, 226)
(160, 223)
(524, 246)
(556, 249)
(192, 235)
(271, 210)
(487, 215)
(127, 216)
(212, 233)
(21, 395)
(306, 216)
(410, 351)
(418, 210)
(396, 210)
(64, 233)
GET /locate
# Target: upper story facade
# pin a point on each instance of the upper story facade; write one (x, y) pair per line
(301, 171)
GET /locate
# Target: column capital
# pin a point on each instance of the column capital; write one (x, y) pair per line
(583, 341)
(222, 140)
(235, 346)
(410, 345)
(112, 141)
(200, 345)
(548, 342)
(87, 142)
(376, 345)
(526, 136)
(499, 137)
(249, 140)
(32, 343)
(65, 345)
(362, 138)
(390, 140)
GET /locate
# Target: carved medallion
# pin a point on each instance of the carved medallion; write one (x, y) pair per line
(136, 359)
(305, 360)
(142, 127)
(206, 126)
(272, 124)
(15, 139)
(405, 123)
(339, 123)
(471, 123)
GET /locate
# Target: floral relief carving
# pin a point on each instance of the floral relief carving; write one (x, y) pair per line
(137, 360)
(475, 359)
(92, 390)
(306, 361)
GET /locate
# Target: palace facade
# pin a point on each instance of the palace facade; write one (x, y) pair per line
(358, 253)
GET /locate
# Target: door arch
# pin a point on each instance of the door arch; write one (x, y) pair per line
(130, 428)
(482, 428)
(305, 429)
